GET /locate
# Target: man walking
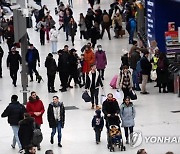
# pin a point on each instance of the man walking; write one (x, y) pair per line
(14, 111)
(32, 57)
(93, 81)
(13, 61)
(36, 109)
(56, 118)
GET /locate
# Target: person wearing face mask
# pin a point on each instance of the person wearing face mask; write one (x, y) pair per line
(124, 81)
(13, 61)
(100, 61)
(56, 118)
(127, 114)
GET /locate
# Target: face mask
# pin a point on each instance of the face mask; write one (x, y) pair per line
(100, 49)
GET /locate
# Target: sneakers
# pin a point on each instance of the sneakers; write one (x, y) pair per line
(38, 148)
(52, 140)
(59, 145)
(127, 142)
(21, 151)
(13, 146)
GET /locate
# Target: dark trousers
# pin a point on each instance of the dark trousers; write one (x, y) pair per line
(51, 79)
(127, 132)
(67, 31)
(42, 38)
(64, 79)
(0, 66)
(57, 1)
(13, 74)
(32, 68)
(126, 92)
(82, 34)
(75, 77)
(108, 31)
(10, 45)
(72, 39)
(94, 95)
(97, 134)
(101, 72)
(70, 3)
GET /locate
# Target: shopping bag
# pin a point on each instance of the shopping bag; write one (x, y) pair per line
(119, 94)
(102, 98)
(132, 95)
(86, 97)
(153, 75)
(113, 82)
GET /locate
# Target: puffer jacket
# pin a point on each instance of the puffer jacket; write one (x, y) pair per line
(15, 112)
(127, 114)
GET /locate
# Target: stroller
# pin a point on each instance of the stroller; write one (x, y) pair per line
(114, 136)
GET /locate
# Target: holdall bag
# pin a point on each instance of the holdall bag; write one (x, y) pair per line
(103, 97)
(113, 82)
(119, 94)
(86, 97)
(153, 75)
(37, 135)
(132, 95)
(122, 32)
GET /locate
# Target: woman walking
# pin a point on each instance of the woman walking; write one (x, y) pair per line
(124, 81)
(54, 39)
(82, 26)
(127, 114)
(72, 29)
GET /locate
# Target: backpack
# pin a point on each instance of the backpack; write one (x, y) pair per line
(105, 18)
(161, 64)
(37, 136)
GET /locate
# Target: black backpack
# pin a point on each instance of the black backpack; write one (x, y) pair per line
(37, 135)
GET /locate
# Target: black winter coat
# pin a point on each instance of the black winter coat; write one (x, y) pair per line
(10, 37)
(51, 66)
(63, 62)
(73, 61)
(135, 57)
(1, 52)
(50, 115)
(15, 112)
(110, 107)
(25, 133)
(145, 66)
(13, 60)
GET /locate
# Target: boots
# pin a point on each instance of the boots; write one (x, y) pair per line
(39, 78)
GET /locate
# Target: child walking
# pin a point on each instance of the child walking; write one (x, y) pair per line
(98, 124)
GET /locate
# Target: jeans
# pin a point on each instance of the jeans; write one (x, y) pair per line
(32, 68)
(97, 134)
(126, 131)
(131, 36)
(16, 138)
(144, 82)
(58, 127)
(94, 94)
(135, 79)
(101, 72)
(67, 31)
(54, 46)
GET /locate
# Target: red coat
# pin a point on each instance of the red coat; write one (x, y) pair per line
(36, 106)
(89, 59)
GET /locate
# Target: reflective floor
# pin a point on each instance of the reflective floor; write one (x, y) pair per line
(154, 117)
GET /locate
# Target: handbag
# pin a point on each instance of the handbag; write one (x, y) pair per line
(132, 95)
(37, 135)
(103, 97)
(119, 94)
(86, 97)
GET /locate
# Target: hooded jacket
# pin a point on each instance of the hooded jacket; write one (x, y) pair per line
(35, 106)
(26, 131)
(50, 114)
(14, 111)
(51, 66)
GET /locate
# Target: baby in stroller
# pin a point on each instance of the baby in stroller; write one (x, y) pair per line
(115, 134)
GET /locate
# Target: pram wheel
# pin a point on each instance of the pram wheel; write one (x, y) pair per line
(111, 149)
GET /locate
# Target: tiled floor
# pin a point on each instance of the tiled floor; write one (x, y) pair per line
(154, 117)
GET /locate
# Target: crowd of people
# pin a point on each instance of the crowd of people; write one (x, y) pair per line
(87, 70)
